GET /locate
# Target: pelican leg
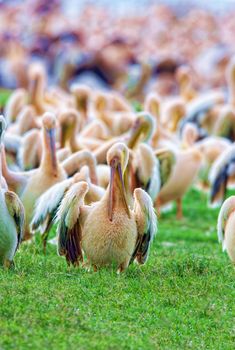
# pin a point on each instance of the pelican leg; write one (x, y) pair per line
(44, 241)
(86, 265)
(27, 236)
(95, 268)
(122, 267)
(157, 205)
(179, 213)
(8, 264)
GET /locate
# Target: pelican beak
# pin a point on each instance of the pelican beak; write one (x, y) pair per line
(33, 88)
(65, 134)
(51, 134)
(116, 174)
(135, 133)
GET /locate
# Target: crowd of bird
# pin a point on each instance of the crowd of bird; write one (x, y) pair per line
(88, 162)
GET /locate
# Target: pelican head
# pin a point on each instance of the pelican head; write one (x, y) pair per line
(37, 79)
(69, 120)
(102, 102)
(174, 112)
(142, 129)
(2, 127)
(190, 135)
(82, 94)
(183, 74)
(152, 104)
(49, 126)
(117, 159)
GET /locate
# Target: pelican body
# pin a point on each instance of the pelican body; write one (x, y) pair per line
(226, 227)
(11, 218)
(108, 231)
(8, 233)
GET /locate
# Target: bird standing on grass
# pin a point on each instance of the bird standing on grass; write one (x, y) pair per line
(226, 227)
(48, 204)
(107, 231)
(11, 217)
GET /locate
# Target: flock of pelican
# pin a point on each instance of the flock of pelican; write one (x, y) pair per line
(88, 162)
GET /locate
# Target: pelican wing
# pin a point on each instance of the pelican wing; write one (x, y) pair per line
(47, 206)
(69, 227)
(221, 170)
(226, 209)
(225, 126)
(219, 186)
(148, 174)
(28, 155)
(146, 220)
(167, 160)
(16, 210)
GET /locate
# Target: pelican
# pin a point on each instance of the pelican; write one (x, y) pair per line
(222, 171)
(11, 217)
(146, 170)
(210, 147)
(117, 122)
(161, 135)
(15, 103)
(81, 94)
(25, 121)
(185, 81)
(30, 150)
(179, 181)
(30, 185)
(108, 231)
(70, 122)
(226, 227)
(48, 203)
(141, 131)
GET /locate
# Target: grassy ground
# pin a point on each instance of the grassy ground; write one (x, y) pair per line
(183, 298)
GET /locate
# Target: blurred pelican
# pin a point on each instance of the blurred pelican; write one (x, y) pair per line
(221, 175)
(185, 170)
(70, 122)
(117, 122)
(226, 227)
(11, 217)
(82, 95)
(184, 78)
(48, 203)
(14, 105)
(210, 147)
(30, 185)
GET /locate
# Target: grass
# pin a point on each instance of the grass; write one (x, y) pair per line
(4, 95)
(182, 299)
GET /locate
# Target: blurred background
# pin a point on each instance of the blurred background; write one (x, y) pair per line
(117, 44)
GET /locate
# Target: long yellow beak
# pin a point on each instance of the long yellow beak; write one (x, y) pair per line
(33, 88)
(116, 175)
(136, 131)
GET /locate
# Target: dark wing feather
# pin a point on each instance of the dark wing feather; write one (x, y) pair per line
(167, 160)
(69, 229)
(16, 210)
(69, 243)
(146, 220)
(219, 184)
(47, 206)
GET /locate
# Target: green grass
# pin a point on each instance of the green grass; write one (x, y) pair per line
(4, 95)
(182, 299)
